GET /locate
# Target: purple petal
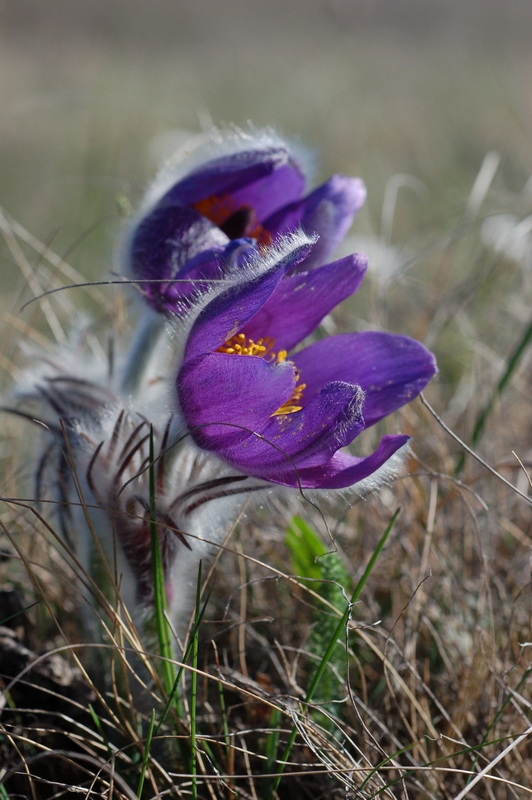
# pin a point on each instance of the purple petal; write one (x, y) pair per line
(262, 179)
(196, 276)
(230, 310)
(285, 184)
(343, 470)
(300, 301)
(328, 211)
(169, 237)
(302, 439)
(221, 261)
(226, 397)
(391, 369)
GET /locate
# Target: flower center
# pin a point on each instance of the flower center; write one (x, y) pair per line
(242, 345)
(235, 222)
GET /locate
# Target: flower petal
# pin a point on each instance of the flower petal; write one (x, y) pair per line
(169, 237)
(226, 397)
(306, 438)
(263, 179)
(328, 211)
(300, 301)
(228, 311)
(265, 196)
(195, 277)
(343, 470)
(391, 369)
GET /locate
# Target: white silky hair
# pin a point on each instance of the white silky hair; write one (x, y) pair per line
(392, 469)
(203, 524)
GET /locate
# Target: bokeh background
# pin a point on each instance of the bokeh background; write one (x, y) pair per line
(94, 93)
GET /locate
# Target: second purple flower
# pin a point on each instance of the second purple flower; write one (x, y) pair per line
(236, 185)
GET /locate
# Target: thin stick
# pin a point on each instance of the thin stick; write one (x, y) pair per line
(493, 763)
(472, 452)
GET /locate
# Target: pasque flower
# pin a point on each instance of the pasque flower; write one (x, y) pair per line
(283, 417)
(237, 185)
(233, 252)
(243, 409)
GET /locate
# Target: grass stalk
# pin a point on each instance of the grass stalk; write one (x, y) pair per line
(99, 727)
(194, 688)
(513, 361)
(146, 755)
(164, 633)
(173, 698)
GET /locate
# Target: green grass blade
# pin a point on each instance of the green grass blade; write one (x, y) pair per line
(225, 723)
(497, 717)
(194, 689)
(18, 613)
(270, 751)
(99, 727)
(173, 693)
(373, 560)
(339, 628)
(164, 633)
(410, 772)
(513, 361)
(146, 755)
(354, 598)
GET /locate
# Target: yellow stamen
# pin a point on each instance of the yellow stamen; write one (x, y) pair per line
(290, 406)
(241, 345)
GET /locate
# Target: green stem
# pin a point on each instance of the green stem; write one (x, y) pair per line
(159, 592)
(147, 747)
(194, 688)
(141, 350)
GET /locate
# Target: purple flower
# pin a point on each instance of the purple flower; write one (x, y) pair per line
(241, 185)
(285, 418)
